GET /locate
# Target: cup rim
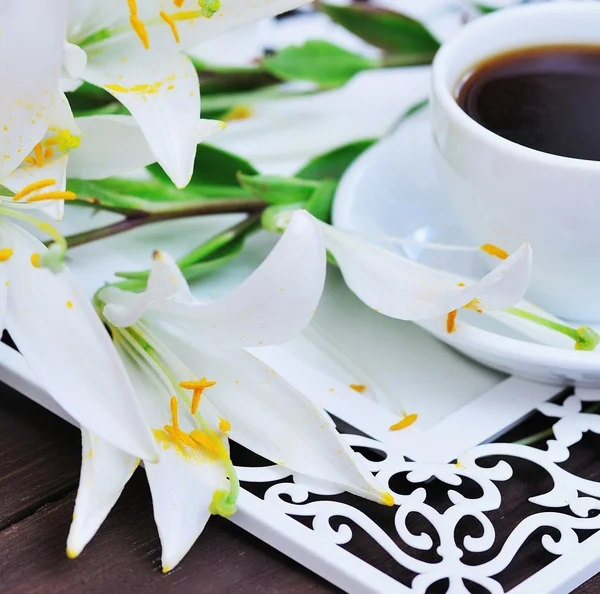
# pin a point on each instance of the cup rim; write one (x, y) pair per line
(445, 97)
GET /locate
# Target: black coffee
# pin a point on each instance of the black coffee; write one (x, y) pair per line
(546, 98)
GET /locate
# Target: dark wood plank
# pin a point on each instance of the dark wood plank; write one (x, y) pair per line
(125, 556)
(40, 457)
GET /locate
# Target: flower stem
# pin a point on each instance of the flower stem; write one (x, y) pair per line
(174, 211)
(586, 339)
(531, 439)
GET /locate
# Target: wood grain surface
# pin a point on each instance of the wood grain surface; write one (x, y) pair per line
(39, 469)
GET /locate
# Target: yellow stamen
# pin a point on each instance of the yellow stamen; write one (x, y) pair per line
(224, 425)
(474, 304)
(5, 254)
(137, 25)
(451, 321)
(186, 15)
(388, 500)
(405, 422)
(173, 404)
(358, 387)
(462, 285)
(39, 157)
(167, 19)
(70, 304)
(178, 3)
(493, 250)
(204, 441)
(35, 260)
(180, 435)
(29, 188)
(29, 159)
(198, 386)
(57, 195)
(48, 153)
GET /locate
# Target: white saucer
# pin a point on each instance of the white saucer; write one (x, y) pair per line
(392, 189)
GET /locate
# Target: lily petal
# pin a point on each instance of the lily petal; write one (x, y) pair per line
(115, 144)
(60, 118)
(84, 375)
(273, 419)
(272, 306)
(105, 471)
(400, 288)
(162, 93)
(27, 98)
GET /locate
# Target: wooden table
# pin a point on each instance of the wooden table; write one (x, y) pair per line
(39, 472)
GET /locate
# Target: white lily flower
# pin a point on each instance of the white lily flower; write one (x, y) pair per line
(407, 290)
(171, 344)
(134, 50)
(49, 318)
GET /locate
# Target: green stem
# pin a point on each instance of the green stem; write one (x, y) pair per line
(531, 439)
(166, 213)
(248, 225)
(586, 338)
(562, 328)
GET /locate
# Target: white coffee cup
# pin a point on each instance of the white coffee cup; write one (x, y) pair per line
(505, 193)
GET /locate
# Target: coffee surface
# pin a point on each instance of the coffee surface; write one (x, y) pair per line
(546, 98)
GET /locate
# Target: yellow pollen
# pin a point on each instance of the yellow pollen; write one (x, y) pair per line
(451, 321)
(198, 386)
(143, 88)
(405, 422)
(29, 159)
(172, 24)
(239, 112)
(5, 254)
(358, 387)
(48, 153)
(71, 554)
(462, 285)
(388, 500)
(66, 195)
(35, 260)
(493, 250)
(37, 185)
(66, 141)
(178, 3)
(224, 425)
(137, 25)
(70, 306)
(204, 441)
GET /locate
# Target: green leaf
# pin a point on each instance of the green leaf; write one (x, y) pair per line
(213, 167)
(320, 203)
(405, 40)
(320, 62)
(484, 8)
(278, 190)
(333, 163)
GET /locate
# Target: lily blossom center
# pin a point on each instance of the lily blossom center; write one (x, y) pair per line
(43, 151)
